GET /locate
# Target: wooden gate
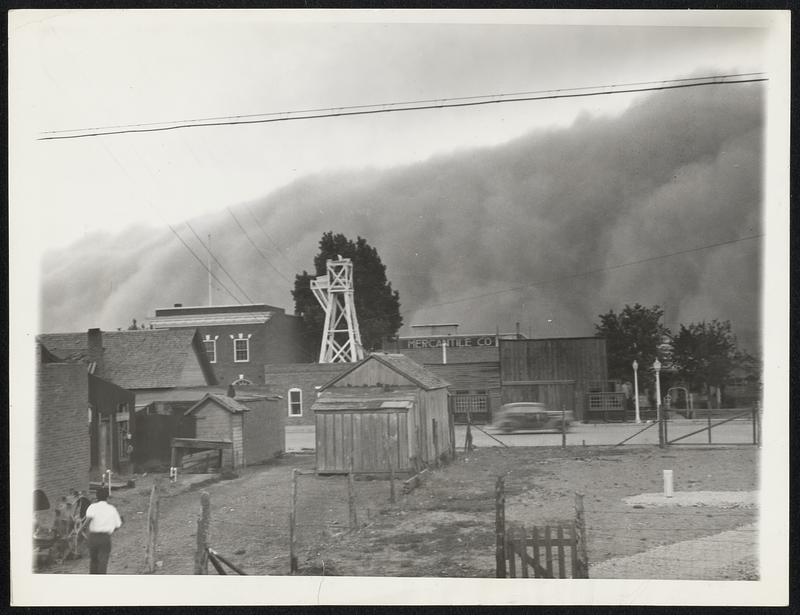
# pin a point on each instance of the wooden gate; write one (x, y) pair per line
(547, 545)
(538, 550)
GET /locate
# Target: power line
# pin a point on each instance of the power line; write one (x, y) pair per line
(153, 207)
(218, 263)
(256, 247)
(442, 103)
(270, 239)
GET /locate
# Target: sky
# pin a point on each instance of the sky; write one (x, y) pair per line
(85, 69)
(462, 204)
(78, 69)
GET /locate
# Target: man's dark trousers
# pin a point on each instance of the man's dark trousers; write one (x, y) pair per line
(99, 550)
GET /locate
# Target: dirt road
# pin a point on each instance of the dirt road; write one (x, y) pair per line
(446, 526)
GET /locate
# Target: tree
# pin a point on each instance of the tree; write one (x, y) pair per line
(635, 333)
(705, 354)
(377, 305)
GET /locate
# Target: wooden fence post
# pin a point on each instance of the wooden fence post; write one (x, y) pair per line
(500, 527)
(451, 419)
(152, 530)
(563, 426)
(203, 523)
(708, 418)
(293, 525)
(582, 562)
(435, 444)
(758, 423)
(388, 447)
(351, 496)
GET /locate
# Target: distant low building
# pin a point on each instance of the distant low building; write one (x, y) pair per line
(241, 339)
(470, 362)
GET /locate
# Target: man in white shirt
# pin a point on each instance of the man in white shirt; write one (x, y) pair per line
(103, 520)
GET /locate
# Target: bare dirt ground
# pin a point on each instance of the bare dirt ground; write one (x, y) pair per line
(445, 527)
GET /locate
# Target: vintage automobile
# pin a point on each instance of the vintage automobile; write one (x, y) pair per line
(530, 416)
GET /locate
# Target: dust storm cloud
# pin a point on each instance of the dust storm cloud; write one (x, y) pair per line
(551, 215)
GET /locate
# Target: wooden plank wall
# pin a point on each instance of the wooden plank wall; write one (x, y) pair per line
(552, 363)
(468, 376)
(373, 373)
(367, 436)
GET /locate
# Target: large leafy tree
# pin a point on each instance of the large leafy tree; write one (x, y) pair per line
(634, 333)
(377, 305)
(705, 354)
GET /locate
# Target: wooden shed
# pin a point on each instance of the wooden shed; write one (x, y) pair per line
(559, 372)
(385, 413)
(219, 417)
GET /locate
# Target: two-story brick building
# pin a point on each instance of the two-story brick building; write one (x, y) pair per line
(241, 339)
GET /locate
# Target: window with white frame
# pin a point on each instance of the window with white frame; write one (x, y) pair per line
(295, 402)
(211, 348)
(241, 350)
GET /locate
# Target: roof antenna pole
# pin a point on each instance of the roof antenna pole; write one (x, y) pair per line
(210, 302)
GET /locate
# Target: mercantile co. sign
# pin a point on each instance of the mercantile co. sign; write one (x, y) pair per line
(451, 341)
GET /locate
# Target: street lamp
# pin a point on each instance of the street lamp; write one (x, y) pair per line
(636, 389)
(661, 438)
(657, 368)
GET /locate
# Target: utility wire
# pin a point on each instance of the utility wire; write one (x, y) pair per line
(200, 260)
(270, 239)
(150, 203)
(471, 101)
(239, 224)
(216, 260)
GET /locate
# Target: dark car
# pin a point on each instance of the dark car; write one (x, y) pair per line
(530, 415)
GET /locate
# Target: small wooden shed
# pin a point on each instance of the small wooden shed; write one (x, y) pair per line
(219, 417)
(385, 413)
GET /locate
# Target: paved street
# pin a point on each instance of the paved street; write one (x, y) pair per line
(738, 431)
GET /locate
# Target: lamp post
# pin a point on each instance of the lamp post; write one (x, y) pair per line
(657, 368)
(636, 389)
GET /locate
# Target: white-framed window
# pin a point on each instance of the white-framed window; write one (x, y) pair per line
(241, 350)
(295, 398)
(241, 381)
(211, 348)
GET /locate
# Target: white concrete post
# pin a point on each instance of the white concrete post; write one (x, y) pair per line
(668, 483)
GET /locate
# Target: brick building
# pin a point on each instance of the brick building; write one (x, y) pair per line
(62, 427)
(298, 384)
(241, 339)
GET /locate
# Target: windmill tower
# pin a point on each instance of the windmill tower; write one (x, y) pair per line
(341, 339)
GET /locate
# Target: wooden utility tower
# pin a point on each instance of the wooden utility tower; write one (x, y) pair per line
(341, 339)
